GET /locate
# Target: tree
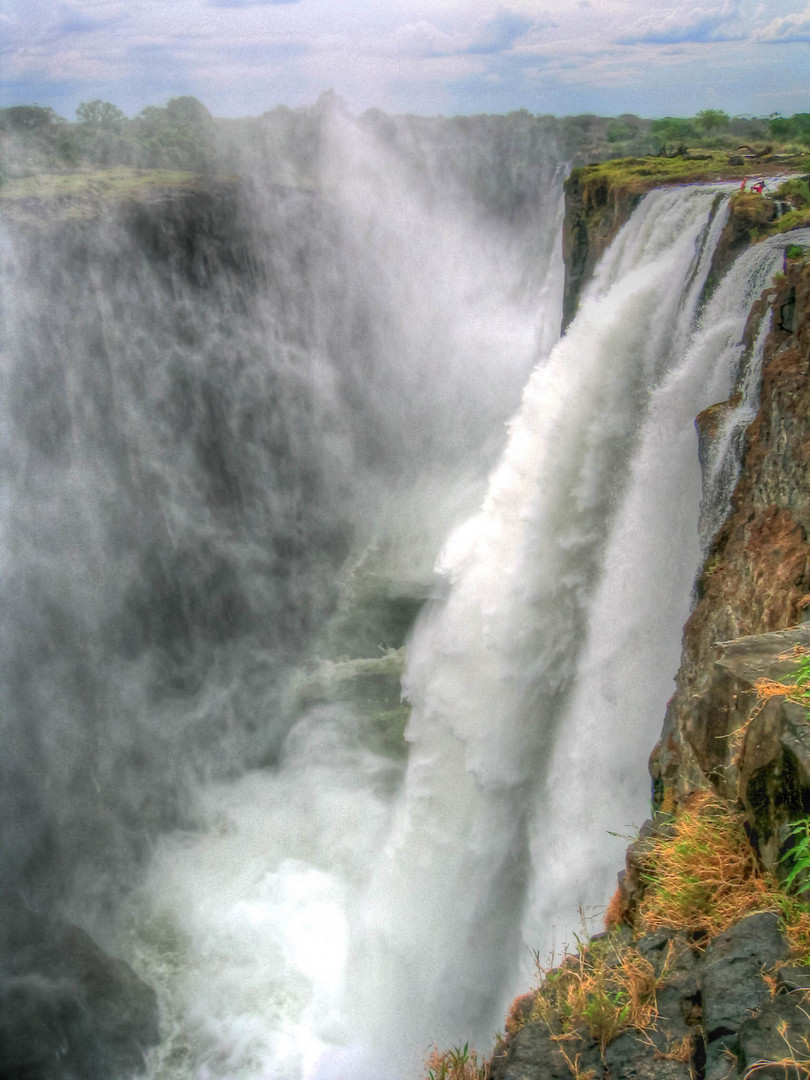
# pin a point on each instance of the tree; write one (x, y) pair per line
(671, 130)
(711, 120)
(188, 111)
(28, 118)
(100, 114)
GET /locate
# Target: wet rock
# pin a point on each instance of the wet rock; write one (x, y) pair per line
(678, 996)
(732, 968)
(777, 1039)
(532, 1054)
(755, 580)
(732, 985)
(791, 978)
(757, 655)
(643, 1056)
(68, 1011)
(721, 1060)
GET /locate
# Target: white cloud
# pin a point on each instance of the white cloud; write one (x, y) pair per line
(789, 28)
(421, 55)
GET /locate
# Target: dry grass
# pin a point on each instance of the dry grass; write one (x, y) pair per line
(794, 1064)
(704, 877)
(460, 1063)
(617, 911)
(597, 989)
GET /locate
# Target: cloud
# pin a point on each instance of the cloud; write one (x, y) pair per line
(697, 25)
(499, 34)
(248, 3)
(789, 28)
(423, 39)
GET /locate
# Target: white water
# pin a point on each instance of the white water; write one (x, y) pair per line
(330, 924)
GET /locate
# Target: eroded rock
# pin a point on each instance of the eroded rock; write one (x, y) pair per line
(68, 1011)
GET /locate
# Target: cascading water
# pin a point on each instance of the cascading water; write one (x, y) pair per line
(200, 436)
(227, 410)
(334, 928)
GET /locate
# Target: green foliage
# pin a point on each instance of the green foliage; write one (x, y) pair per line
(100, 114)
(797, 857)
(460, 1063)
(791, 129)
(188, 111)
(605, 986)
(796, 191)
(672, 130)
(28, 118)
(795, 251)
(711, 120)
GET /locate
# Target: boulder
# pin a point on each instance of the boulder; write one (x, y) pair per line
(68, 1011)
(732, 985)
(533, 1054)
(777, 1039)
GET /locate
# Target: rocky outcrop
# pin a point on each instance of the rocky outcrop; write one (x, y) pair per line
(756, 579)
(68, 1011)
(599, 199)
(748, 214)
(734, 1005)
(713, 1015)
(594, 213)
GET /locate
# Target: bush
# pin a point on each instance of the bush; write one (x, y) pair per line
(703, 877)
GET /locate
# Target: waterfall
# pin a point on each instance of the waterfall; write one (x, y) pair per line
(233, 454)
(237, 418)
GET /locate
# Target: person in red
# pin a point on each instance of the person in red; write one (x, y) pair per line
(758, 187)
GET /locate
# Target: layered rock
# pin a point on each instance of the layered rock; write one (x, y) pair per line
(756, 579)
(68, 1011)
(732, 1006)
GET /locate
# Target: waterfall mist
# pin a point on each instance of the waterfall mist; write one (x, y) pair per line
(242, 423)
(226, 410)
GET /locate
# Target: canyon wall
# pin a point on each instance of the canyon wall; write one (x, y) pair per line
(727, 1004)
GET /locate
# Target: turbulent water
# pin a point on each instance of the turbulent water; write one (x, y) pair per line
(237, 429)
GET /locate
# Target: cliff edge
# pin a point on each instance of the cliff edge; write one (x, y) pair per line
(704, 970)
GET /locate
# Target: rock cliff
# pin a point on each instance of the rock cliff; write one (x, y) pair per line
(727, 999)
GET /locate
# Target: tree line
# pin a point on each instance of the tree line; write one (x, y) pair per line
(184, 135)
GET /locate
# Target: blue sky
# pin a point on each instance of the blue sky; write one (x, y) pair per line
(242, 57)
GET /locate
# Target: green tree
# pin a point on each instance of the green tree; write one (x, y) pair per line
(712, 120)
(187, 110)
(28, 118)
(100, 114)
(671, 131)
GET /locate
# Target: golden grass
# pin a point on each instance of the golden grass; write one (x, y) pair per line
(460, 1063)
(704, 877)
(599, 989)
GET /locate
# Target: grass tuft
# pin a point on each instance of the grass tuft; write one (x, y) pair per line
(704, 877)
(460, 1063)
(600, 988)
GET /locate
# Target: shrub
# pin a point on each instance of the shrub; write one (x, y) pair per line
(704, 877)
(796, 191)
(460, 1063)
(604, 987)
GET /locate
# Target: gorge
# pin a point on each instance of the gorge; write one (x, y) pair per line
(234, 456)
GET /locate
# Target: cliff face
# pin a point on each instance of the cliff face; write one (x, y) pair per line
(723, 1001)
(594, 213)
(756, 579)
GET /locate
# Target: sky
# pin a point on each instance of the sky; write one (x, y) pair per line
(429, 57)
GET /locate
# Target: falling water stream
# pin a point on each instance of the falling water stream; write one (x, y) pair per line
(223, 479)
